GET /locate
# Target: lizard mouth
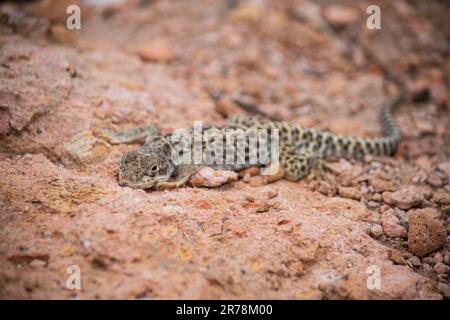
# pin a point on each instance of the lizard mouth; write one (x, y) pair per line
(144, 184)
(137, 185)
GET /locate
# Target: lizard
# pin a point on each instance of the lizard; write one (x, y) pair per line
(301, 149)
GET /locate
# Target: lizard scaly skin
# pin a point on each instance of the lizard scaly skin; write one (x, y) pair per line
(300, 149)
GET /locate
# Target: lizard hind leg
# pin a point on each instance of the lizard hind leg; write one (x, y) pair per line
(318, 171)
(299, 165)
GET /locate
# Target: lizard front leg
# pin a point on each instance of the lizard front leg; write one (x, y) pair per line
(128, 136)
(182, 175)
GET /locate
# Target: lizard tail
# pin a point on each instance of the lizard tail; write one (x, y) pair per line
(326, 143)
(391, 130)
(386, 145)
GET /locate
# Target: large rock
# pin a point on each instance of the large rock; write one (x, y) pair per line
(26, 93)
(426, 232)
(84, 148)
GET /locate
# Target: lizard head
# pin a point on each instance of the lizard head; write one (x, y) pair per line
(141, 169)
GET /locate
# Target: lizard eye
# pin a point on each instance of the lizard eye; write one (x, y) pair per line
(153, 171)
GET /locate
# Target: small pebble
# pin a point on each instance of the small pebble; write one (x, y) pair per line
(393, 230)
(444, 289)
(415, 261)
(372, 204)
(326, 189)
(156, 50)
(438, 257)
(428, 260)
(272, 194)
(427, 268)
(443, 277)
(249, 198)
(396, 257)
(349, 193)
(208, 177)
(376, 230)
(435, 181)
(172, 209)
(36, 263)
(441, 268)
(381, 185)
(377, 197)
(447, 258)
(441, 197)
(86, 243)
(406, 198)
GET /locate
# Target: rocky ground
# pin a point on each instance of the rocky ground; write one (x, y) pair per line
(163, 62)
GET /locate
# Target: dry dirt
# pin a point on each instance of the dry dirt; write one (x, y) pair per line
(162, 62)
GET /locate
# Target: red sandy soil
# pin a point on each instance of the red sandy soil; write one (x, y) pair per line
(159, 62)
